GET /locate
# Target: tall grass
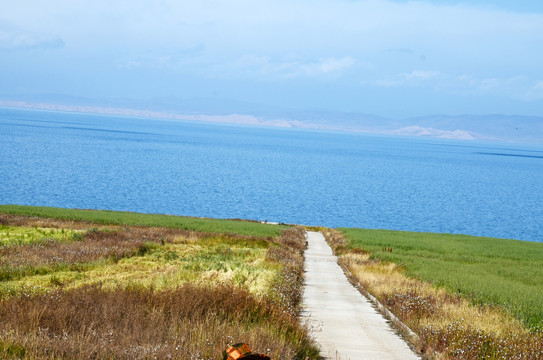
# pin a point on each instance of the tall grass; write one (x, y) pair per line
(148, 292)
(188, 322)
(286, 289)
(128, 218)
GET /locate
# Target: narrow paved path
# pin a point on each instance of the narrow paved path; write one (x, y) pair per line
(342, 321)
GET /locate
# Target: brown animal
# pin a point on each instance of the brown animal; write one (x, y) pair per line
(243, 352)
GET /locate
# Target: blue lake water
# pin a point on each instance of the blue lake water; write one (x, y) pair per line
(285, 175)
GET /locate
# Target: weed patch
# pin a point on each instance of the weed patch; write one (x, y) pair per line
(459, 341)
(286, 289)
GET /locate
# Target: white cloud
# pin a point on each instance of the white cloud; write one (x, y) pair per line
(414, 78)
(166, 60)
(515, 87)
(327, 66)
(521, 87)
(265, 67)
(484, 85)
(10, 40)
(536, 93)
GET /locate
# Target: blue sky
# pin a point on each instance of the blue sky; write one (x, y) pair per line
(389, 58)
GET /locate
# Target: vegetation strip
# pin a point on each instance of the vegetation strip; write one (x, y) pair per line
(449, 325)
(507, 273)
(142, 292)
(383, 309)
(219, 226)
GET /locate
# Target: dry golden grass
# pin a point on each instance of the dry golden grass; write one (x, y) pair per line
(448, 326)
(435, 306)
(17, 220)
(189, 322)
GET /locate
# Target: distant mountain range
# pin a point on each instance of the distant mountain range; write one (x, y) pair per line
(498, 127)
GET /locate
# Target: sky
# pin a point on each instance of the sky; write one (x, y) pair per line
(389, 58)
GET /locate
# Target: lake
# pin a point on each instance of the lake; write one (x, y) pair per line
(300, 176)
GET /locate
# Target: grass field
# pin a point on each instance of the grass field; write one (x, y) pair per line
(156, 220)
(100, 284)
(81, 289)
(466, 297)
(507, 273)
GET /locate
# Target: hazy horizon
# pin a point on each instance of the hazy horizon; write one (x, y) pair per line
(394, 59)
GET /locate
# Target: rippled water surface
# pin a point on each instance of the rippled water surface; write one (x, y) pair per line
(285, 175)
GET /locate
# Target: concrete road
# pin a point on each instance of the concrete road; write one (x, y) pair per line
(342, 321)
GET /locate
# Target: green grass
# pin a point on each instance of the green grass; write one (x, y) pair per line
(16, 235)
(218, 226)
(507, 273)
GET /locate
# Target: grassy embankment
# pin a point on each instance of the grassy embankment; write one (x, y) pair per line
(218, 226)
(466, 297)
(92, 284)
